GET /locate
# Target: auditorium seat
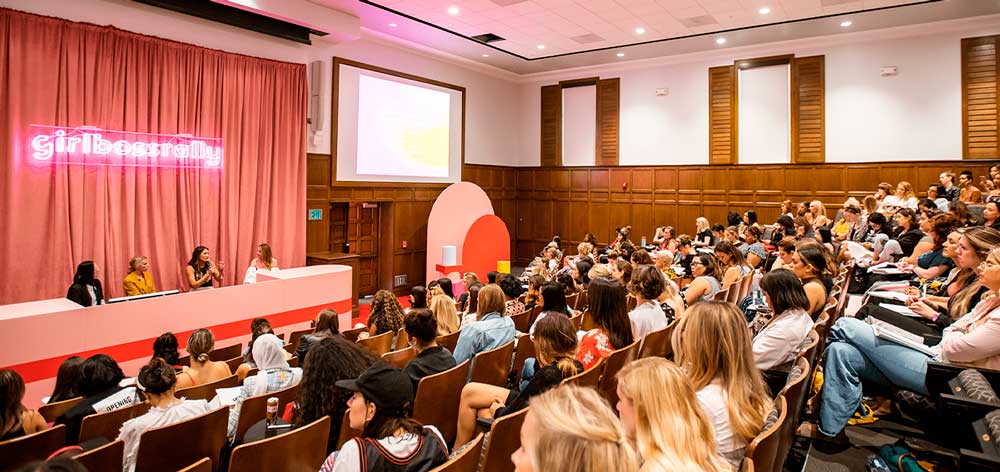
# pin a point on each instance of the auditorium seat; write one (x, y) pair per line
(491, 367)
(764, 448)
(293, 361)
(613, 364)
(346, 432)
(400, 358)
(449, 341)
(378, 345)
(587, 322)
(631, 301)
(657, 343)
(571, 300)
(525, 350)
(174, 446)
(207, 391)
(402, 340)
(577, 320)
(522, 321)
(234, 363)
(588, 378)
(746, 284)
(108, 424)
(734, 292)
(352, 334)
(106, 457)
(437, 399)
(721, 295)
(52, 411)
(535, 311)
(254, 408)
(747, 465)
(300, 450)
(204, 465)
(221, 354)
(296, 336)
(33, 447)
(795, 393)
(505, 438)
(465, 461)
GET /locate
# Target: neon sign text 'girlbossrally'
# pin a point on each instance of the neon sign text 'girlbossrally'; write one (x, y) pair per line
(93, 146)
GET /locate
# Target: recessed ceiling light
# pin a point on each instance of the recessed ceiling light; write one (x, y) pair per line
(540, 46)
(393, 25)
(486, 55)
(640, 30)
(621, 54)
(764, 10)
(720, 40)
(452, 11)
(845, 24)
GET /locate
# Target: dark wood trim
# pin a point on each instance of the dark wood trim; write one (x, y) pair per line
(744, 64)
(579, 82)
(335, 107)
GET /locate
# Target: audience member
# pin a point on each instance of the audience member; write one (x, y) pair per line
(811, 266)
(15, 419)
(663, 419)
(706, 283)
(685, 254)
(786, 248)
(274, 374)
(640, 257)
(86, 289)
(201, 370)
(99, 386)
(329, 361)
(753, 251)
(729, 387)
(446, 286)
(511, 291)
(422, 332)
(991, 215)
(138, 281)
(445, 314)
(67, 380)
(555, 346)
(703, 234)
(159, 382)
(165, 347)
(609, 314)
(534, 296)
(386, 314)
(777, 343)
(968, 193)
(491, 276)
(646, 286)
(490, 330)
(817, 214)
(937, 194)
(581, 273)
(961, 211)
(732, 265)
(951, 191)
(418, 297)
(933, 263)
(324, 326)
(621, 270)
(390, 439)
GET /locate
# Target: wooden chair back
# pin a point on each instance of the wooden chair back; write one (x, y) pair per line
(747, 465)
(301, 449)
(588, 378)
(378, 345)
(352, 334)
(810, 350)
(437, 400)
(588, 321)
(571, 300)
(296, 337)
(204, 465)
(535, 311)
(522, 321)
(449, 341)
(763, 450)
(721, 295)
(226, 353)
(254, 408)
(52, 411)
(745, 285)
(465, 461)
(614, 363)
(106, 457)
(505, 438)
(796, 391)
(234, 363)
(207, 391)
(577, 320)
(402, 341)
(657, 343)
(400, 358)
(631, 302)
(525, 350)
(33, 447)
(108, 424)
(493, 366)
(346, 432)
(734, 292)
(582, 300)
(178, 445)
(293, 361)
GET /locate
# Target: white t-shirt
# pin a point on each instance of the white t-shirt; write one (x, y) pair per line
(778, 342)
(348, 458)
(713, 400)
(132, 429)
(646, 318)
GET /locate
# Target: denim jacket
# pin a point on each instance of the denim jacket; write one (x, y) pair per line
(490, 332)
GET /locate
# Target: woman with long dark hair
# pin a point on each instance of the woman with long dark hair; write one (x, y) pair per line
(201, 271)
(609, 313)
(15, 419)
(86, 289)
(328, 361)
(67, 380)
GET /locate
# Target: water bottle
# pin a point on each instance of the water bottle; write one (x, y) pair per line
(272, 410)
(643, 240)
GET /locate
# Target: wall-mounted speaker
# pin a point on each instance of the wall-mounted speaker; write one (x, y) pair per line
(315, 113)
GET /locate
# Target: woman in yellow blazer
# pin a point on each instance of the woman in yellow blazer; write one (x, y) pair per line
(138, 281)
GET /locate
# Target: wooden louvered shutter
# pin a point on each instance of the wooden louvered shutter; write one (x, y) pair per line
(551, 152)
(979, 98)
(808, 110)
(722, 115)
(608, 107)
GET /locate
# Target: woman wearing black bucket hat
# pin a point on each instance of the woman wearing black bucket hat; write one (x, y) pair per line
(390, 439)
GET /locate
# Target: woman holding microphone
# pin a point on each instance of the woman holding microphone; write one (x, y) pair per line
(201, 271)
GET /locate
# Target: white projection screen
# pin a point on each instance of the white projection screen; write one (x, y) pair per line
(765, 115)
(579, 126)
(396, 129)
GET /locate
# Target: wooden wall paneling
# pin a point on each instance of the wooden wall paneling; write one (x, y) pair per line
(318, 232)
(561, 223)
(980, 90)
(608, 119)
(722, 113)
(808, 104)
(551, 124)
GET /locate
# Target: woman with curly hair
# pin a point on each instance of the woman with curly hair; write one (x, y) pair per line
(386, 314)
(328, 361)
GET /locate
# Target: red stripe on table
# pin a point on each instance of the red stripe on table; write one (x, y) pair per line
(47, 368)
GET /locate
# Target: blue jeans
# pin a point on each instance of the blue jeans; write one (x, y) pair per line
(854, 354)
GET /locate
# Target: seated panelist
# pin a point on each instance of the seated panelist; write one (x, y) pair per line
(201, 271)
(139, 280)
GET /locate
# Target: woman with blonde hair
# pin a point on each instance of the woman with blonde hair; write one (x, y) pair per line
(662, 417)
(569, 429)
(817, 214)
(703, 236)
(202, 369)
(445, 313)
(729, 387)
(263, 261)
(138, 281)
(490, 330)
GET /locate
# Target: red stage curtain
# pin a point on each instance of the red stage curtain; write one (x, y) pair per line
(63, 73)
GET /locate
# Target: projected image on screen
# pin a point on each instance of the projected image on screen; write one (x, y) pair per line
(402, 129)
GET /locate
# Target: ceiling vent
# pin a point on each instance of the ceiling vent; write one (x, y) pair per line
(587, 38)
(487, 38)
(695, 21)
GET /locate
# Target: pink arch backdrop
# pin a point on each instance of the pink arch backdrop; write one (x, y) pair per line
(453, 214)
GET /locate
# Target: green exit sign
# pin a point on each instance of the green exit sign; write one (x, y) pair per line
(315, 214)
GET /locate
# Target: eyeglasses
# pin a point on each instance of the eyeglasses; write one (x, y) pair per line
(697, 263)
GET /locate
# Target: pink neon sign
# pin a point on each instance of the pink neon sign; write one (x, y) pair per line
(86, 145)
